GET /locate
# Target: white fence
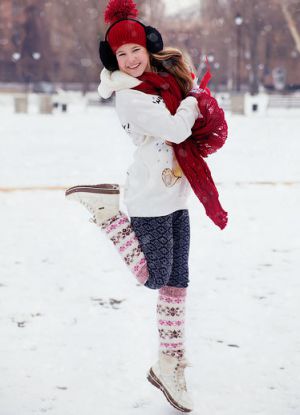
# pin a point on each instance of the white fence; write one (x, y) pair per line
(261, 104)
(284, 101)
(258, 104)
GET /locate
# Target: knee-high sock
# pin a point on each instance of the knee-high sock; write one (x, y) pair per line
(119, 231)
(171, 320)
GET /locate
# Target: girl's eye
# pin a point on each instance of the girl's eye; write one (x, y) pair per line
(134, 50)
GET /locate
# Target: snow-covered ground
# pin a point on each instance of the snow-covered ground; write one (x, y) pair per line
(78, 334)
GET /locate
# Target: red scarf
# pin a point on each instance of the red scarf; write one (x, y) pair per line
(208, 134)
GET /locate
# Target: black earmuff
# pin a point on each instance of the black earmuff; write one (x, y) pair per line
(154, 44)
(107, 56)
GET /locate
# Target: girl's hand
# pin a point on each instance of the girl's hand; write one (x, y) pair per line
(196, 100)
(197, 92)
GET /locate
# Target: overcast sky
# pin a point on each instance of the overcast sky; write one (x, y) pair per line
(175, 5)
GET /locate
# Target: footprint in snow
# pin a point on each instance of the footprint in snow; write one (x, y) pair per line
(110, 303)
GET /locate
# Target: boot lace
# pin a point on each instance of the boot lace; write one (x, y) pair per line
(87, 205)
(180, 374)
(93, 219)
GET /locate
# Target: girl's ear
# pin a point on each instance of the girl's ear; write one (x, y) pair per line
(107, 56)
(155, 43)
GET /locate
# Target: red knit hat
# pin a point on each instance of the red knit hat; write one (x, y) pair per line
(120, 14)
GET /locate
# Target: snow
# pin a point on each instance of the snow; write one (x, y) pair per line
(78, 334)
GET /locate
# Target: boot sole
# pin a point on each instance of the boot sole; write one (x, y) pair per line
(157, 383)
(108, 189)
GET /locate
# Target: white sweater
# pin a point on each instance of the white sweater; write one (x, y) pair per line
(151, 188)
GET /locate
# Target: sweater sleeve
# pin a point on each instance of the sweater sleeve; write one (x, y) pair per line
(148, 115)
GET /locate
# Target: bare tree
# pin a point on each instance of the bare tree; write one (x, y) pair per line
(265, 38)
(291, 21)
(25, 45)
(35, 48)
(77, 28)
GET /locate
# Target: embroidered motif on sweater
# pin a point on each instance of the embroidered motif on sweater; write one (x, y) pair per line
(127, 128)
(156, 100)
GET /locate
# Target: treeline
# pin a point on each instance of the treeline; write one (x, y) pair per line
(57, 40)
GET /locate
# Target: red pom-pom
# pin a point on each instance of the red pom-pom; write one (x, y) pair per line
(120, 9)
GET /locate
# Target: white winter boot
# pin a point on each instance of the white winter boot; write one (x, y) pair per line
(168, 376)
(101, 200)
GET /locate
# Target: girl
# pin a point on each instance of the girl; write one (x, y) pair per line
(154, 240)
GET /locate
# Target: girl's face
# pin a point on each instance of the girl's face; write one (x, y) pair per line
(133, 59)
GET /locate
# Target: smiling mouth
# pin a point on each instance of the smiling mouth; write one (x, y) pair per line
(135, 67)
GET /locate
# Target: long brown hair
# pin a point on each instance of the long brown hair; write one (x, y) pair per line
(176, 63)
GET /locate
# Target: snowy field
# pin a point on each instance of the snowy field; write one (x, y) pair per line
(77, 334)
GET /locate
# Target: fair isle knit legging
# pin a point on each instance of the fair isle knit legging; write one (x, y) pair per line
(156, 250)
